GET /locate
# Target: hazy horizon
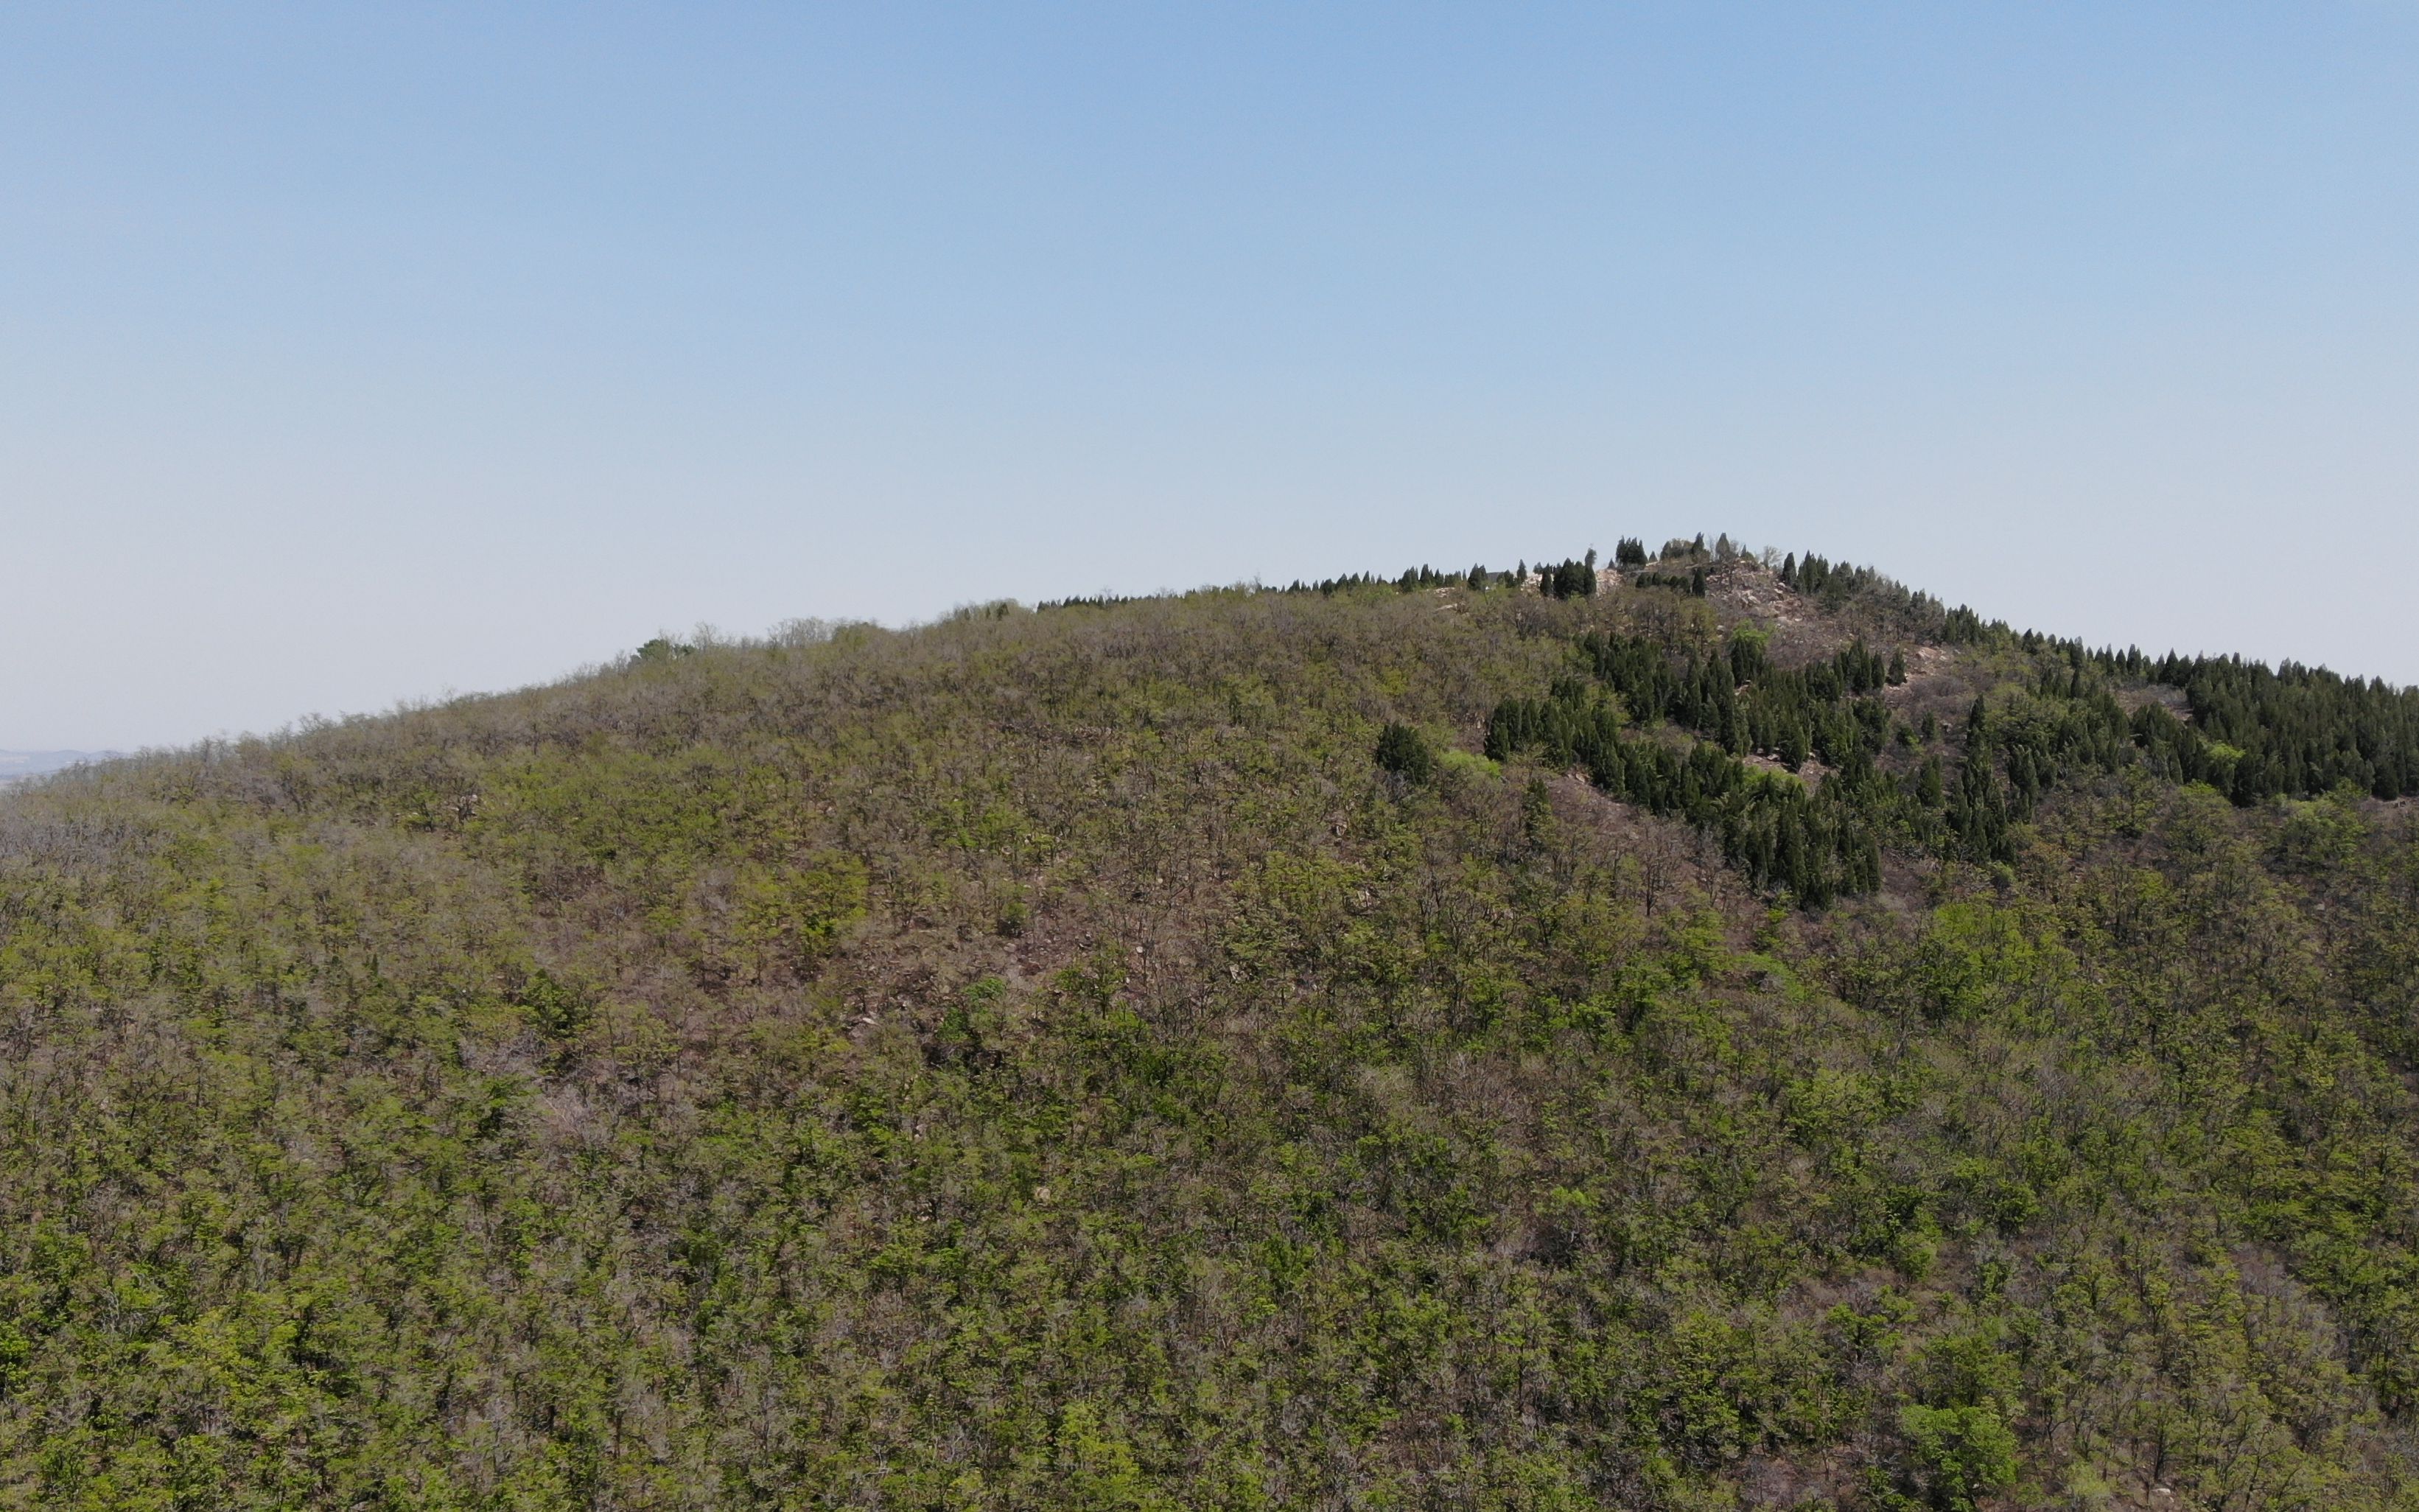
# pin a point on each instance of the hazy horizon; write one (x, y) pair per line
(46, 760)
(355, 358)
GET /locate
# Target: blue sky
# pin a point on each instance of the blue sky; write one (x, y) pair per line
(357, 354)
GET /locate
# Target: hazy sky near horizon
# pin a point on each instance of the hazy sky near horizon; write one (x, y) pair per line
(357, 354)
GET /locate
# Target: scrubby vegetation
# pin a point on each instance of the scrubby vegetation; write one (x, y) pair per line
(1674, 1035)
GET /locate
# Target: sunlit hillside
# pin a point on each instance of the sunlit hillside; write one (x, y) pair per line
(1677, 1031)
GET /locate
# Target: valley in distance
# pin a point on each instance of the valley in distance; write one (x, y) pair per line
(1688, 1030)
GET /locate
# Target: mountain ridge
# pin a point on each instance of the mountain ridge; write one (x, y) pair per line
(1713, 1034)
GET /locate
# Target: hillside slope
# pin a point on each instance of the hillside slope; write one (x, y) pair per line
(1750, 1042)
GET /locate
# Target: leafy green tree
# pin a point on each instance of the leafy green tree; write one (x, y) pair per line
(1960, 1454)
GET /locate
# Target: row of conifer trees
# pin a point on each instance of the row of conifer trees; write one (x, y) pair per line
(2255, 733)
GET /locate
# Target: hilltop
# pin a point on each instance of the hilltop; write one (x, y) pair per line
(1685, 1030)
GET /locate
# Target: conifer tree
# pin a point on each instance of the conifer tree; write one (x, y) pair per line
(1403, 751)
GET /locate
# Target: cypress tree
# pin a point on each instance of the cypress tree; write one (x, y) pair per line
(1403, 751)
(1790, 866)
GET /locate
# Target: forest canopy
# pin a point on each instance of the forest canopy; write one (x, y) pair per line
(1685, 1030)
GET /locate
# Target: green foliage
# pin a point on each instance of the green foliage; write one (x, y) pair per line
(1404, 751)
(1040, 1060)
(1575, 578)
(662, 648)
(1817, 845)
(2257, 733)
(1691, 583)
(1961, 1452)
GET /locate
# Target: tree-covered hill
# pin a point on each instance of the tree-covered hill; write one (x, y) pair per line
(1686, 1032)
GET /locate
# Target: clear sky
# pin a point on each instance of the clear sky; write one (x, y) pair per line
(351, 354)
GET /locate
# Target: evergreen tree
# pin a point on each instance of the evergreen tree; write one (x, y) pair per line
(1403, 751)
(1574, 578)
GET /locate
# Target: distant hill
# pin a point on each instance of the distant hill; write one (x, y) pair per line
(16, 765)
(1687, 1031)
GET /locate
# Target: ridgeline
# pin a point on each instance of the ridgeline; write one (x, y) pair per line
(1691, 1031)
